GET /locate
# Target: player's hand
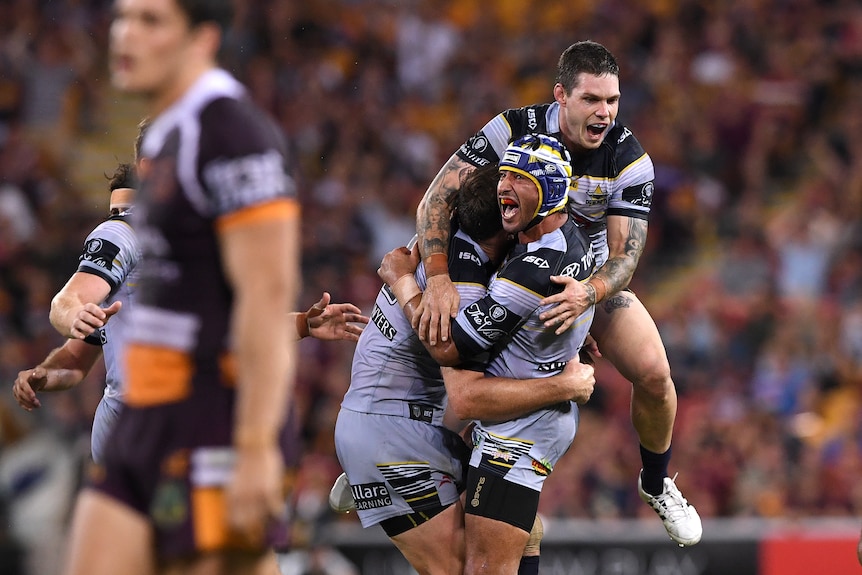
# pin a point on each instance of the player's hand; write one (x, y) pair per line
(581, 379)
(335, 321)
(438, 307)
(571, 303)
(27, 384)
(91, 317)
(255, 493)
(589, 352)
(397, 263)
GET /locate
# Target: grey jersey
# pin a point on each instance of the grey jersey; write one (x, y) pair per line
(392, 372)
(111, 252)
(506, 321)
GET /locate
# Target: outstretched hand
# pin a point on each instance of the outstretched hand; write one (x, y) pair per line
(92, 317)
(337, 321)
(27, 384)
(571, 303)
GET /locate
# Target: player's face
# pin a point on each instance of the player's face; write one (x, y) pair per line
(148, 44)
(519, 200)
(588, 111)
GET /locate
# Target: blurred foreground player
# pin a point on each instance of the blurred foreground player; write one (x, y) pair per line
(193, 479)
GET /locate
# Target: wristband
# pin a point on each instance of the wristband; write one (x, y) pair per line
(600, 293)
(405, 289)
(436, 265)
(302, 325)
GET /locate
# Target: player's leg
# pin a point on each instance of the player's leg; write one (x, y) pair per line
(628, 337)
(435, 547)
(107, 537)
(529, 564)
(498, 520)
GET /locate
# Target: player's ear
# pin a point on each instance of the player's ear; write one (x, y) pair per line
(207, 37)
(560, 94)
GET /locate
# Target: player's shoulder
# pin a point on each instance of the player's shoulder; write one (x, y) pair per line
(236, 126)
(624, 145)
(533, 118)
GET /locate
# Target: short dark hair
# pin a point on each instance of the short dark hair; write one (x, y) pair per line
(123, 177)
(586, 56)
(476, 205)
(219, 12)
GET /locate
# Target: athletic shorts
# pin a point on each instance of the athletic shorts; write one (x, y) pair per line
(106, 416)
(525, 452)
(171, 463)
(398, 466)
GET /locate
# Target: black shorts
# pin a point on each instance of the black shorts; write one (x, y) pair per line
(493, 497)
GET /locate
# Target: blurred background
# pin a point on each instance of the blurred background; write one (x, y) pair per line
(750, 110)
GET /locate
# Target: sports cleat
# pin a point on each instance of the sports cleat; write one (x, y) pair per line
(680, 518)
(340, 496)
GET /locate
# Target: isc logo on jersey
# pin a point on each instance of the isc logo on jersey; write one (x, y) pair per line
(540, 263)
(470, 257)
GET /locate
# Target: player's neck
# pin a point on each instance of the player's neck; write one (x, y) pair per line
(546, 226)
(176, 89)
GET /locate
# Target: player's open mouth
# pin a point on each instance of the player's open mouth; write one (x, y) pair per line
(597, 129)
(508, 208)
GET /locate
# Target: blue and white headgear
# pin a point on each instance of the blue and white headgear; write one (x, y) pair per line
(544, 160)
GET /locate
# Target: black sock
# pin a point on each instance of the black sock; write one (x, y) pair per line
(529, 565)
(655, 470)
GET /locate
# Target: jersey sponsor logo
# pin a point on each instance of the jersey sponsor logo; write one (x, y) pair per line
(552, 366)
(588, 260)
(474, 501)
(473, 157)
(248, 180)
(540, 263)
(532, 123)
(421, 412)
(470, 256)
(371, 495)
(383, 324)
(486, 324)
(100, 253)
(479, 143)
(626, 133)
(640, 196)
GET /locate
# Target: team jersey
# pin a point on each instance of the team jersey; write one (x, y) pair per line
(392, 372)
(214, 160)
(506, 321)
(111, 252)
(616, 179)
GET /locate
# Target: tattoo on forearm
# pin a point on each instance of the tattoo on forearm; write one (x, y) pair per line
(636, 240)
(432, 223)
(617, 272)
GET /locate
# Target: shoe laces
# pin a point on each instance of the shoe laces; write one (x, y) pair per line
(674, 504)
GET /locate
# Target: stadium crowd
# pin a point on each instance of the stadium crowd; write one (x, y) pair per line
(751, 112)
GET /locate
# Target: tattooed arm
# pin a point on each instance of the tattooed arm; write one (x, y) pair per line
(626, 242)
(440, 300)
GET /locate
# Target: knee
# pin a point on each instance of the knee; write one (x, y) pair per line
(653, 380)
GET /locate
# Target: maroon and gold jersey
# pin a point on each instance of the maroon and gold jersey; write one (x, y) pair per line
(215, 160)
